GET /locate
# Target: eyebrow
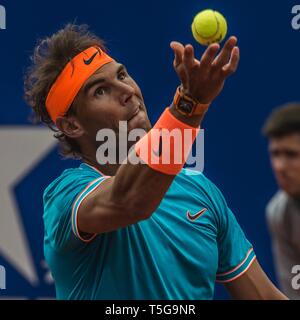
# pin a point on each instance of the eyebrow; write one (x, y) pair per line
(91, 84)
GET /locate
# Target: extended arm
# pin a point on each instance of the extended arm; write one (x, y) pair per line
(135, 191)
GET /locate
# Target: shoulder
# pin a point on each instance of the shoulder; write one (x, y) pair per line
(199, 182)
(68, 179)
(62, 192)
(278, 201)
(60, 199)
(277, 205)
(193, 177)
(275, 212)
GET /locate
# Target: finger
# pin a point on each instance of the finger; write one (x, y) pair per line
(233, 63)
(208, 56)
(189, 57)
(225, 53)
(178, 49)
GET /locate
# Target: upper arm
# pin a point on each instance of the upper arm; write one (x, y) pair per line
(81, 204)
(254, 285)
(101, 210)
(61, 199)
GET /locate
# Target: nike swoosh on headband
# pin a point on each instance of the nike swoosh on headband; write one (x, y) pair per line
(90, 60)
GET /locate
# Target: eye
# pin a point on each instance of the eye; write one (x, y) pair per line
(275, 153)
(292, 154)
(99, 91)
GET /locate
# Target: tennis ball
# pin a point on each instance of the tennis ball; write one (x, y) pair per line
(209, 27)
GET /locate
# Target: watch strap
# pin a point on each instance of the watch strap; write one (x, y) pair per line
(194, 106)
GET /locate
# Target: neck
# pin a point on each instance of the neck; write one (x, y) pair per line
(108, 169)
(296, 199)
(88, 156)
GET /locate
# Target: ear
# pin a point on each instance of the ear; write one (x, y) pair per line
(70, 126)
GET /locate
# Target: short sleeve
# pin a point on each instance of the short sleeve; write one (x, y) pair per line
(62, 200)
(235, 252)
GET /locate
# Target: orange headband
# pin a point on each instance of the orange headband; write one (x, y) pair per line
(71, 79)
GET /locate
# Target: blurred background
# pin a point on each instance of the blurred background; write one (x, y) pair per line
(138, 34)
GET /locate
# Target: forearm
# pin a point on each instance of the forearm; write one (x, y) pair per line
(254, 285)
(141, 185)
(255, 291)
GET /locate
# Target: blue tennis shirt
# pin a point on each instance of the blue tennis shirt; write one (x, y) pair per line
(190, 241)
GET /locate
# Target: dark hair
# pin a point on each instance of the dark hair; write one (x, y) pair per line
(49, 58)
(283, 121)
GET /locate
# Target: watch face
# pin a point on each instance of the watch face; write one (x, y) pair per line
(185, 106)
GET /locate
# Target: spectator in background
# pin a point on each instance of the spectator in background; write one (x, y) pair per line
(283, 211)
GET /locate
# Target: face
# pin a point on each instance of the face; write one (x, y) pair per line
(110, 95)
(285, 159)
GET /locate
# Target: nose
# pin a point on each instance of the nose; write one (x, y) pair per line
(126, 92)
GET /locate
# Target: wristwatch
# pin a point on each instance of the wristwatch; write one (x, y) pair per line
(187, 105)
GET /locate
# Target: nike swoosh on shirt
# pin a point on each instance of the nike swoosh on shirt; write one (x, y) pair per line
(90, 60)
(196, 215)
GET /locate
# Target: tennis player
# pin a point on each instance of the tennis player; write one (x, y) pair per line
(146, 230)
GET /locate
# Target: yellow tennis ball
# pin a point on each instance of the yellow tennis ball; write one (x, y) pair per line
(209, 27)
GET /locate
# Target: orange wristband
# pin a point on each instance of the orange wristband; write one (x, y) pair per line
(167, 145)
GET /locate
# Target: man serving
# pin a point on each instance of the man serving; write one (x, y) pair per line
(146, 230)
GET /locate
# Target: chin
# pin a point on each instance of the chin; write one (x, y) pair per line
(289, 190)
(292, 193)
(140, 121)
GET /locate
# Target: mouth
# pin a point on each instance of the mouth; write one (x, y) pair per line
(283, 181)
(135, 113)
